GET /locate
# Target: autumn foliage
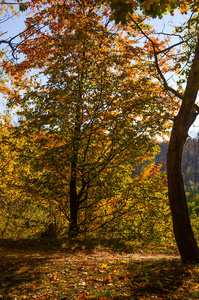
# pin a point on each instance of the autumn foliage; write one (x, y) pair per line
(89, 111)
(90, 82)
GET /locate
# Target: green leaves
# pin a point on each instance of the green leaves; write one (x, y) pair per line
(23, 7)
(156, 8)
(122, 9)
(88, 120)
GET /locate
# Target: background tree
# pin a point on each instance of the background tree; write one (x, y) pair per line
(20, 216)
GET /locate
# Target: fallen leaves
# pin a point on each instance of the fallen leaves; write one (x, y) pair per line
(101, 275)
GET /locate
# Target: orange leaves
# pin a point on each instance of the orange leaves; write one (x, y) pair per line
(83, 295)
(8, 7)
(104, 266)
(184, 6)
(90, 107)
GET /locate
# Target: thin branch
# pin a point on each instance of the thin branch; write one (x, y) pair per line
(155, 46)
(172, 46)
(166, 86)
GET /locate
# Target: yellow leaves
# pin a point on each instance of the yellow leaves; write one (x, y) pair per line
(196, 269)
(4, 7)
(123, 262)
(119, 284)
(11, 7)
(184, 7)
(195, 287)
(79, 53)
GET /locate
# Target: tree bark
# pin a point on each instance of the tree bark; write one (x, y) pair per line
(186, 242)
(181, 223)
(74, 208)
(74, 197)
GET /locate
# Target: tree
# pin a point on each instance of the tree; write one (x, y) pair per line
(21, 216)
(86, 115)
(188, 111)
(9, 178)
(150, 220)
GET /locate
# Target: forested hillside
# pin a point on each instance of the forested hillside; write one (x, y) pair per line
(190, 170)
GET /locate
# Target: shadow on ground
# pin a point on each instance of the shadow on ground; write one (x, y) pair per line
(19, 275)
(156, 278)
(19, 262)
(26, 269)
(114, 244)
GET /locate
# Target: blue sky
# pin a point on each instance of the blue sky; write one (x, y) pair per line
(168, 23)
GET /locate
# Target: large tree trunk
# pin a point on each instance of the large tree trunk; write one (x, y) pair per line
(181, 223)
(186, 242)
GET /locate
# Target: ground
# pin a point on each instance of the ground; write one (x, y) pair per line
(33, 271)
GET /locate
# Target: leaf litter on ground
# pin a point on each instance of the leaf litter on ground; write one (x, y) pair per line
(95, 274)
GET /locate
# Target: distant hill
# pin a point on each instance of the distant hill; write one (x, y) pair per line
(190, 165)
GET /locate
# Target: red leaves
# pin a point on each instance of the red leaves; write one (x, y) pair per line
(83, 295)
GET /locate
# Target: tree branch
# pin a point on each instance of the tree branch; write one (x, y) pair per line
(154, 45)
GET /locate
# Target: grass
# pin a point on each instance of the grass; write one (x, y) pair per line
(53, 269)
